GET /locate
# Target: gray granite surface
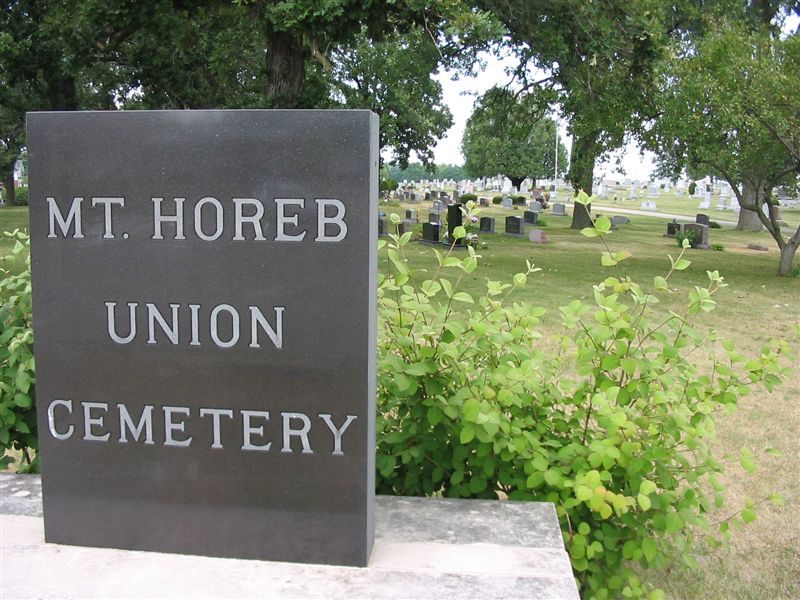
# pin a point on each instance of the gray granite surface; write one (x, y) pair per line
(424, 548)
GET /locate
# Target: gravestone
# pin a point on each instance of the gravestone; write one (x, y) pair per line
(560, 210)
(483, 201)
(508, 202)
(383, 227)
(427, 196)
(704, 205)
(537, 236)
(649, 205)
(204, 385)
(702, 218)
(535, 206)
(673, 228)
(434, 217)
(515, 226)
(437, 206)
(430, 232)
(531, 217)
(442, 194)
(454, 219)
(701, 231)
(620, 220)
(486, 225)
(411, 215)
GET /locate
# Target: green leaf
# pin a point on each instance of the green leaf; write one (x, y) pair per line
(649, 549)
(607, 260)
(647, 487)
(395, 219)
(459, 232)
(644, 501)
(590, 232)
(463, 297)
(660, 283)
(603, 224)
(435, 415)
(472, 407)
(467, 434)
(23, 400)
(748, 515)
(674, 523)
(682, 264)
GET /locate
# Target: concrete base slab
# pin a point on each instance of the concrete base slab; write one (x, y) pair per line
(424, 548)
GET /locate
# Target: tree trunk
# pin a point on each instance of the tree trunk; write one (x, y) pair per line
(748, 219)
(8, 185)
(286, 70)
(785, 267)
(516, 181)
(581, 174)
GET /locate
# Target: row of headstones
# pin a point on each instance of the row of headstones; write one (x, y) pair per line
(700, 227)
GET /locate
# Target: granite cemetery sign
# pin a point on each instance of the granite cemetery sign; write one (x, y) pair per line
(204, 308)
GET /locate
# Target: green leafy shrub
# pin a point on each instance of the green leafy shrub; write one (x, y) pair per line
(541, 222)
(21, 196)
(497, 200)
(610, 420)
(468, 198)
(718, 247)
(17, 381)
(388, 185)
(519, 200)
(690, 235)
(692, 188)
(714, 225)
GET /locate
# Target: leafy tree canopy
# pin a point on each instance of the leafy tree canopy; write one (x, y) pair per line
(508, 133)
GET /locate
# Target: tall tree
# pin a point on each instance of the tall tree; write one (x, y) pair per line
(510, 134)
(393, 78)
(599, 57)
(729, 104)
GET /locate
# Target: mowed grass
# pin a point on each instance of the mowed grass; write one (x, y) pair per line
(763, 559)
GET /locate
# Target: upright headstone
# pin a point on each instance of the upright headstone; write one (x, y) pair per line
(531, 217)
(411, 215)
(701, 234)
(673, 228)
(483, 201)
(383, 227)
(702, 218)
(535, 206)
(486, 225)
(434, 217)
(515, 226)
(559, 210)
(508, 202)
(430, 232)
(204, 385)
(454, 219)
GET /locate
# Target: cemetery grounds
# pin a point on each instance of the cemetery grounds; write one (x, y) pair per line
(763, 558)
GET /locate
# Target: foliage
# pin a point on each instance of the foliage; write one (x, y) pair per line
(388, 185)
(17, 379)
(690, 236)
(497, 199)
(714, 225)
(518, 200)
(393, 78)
(416, 172)
(692, 188)
(611, 420)
(728, 104)
(21, 196)
(464, 198)
(509, 134)
(718, 247)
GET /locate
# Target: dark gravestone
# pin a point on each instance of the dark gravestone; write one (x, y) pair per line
(383, 227)
(515, 226)
(483, 201)
(531, 217)
(434, 217)
(673, 229)
(411, 214)
(443, 195)
(486, 225)
(702, 219)
(427, 196)
(204, 385)
(454, 219)
(430, 232)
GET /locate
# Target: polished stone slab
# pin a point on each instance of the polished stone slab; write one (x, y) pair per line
(424, 548)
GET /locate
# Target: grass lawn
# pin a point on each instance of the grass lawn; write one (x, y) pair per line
(763, 560)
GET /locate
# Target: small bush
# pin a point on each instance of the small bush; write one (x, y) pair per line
(718, 247)
(541, 222)
(519, 200)
(467, 198)
(17, 379)
(497, 200)
(612, 422)
(690, 235)
(692, 188)
(714, 225)
(21, 196)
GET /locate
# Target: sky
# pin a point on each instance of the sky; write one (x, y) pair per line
(460, 96)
